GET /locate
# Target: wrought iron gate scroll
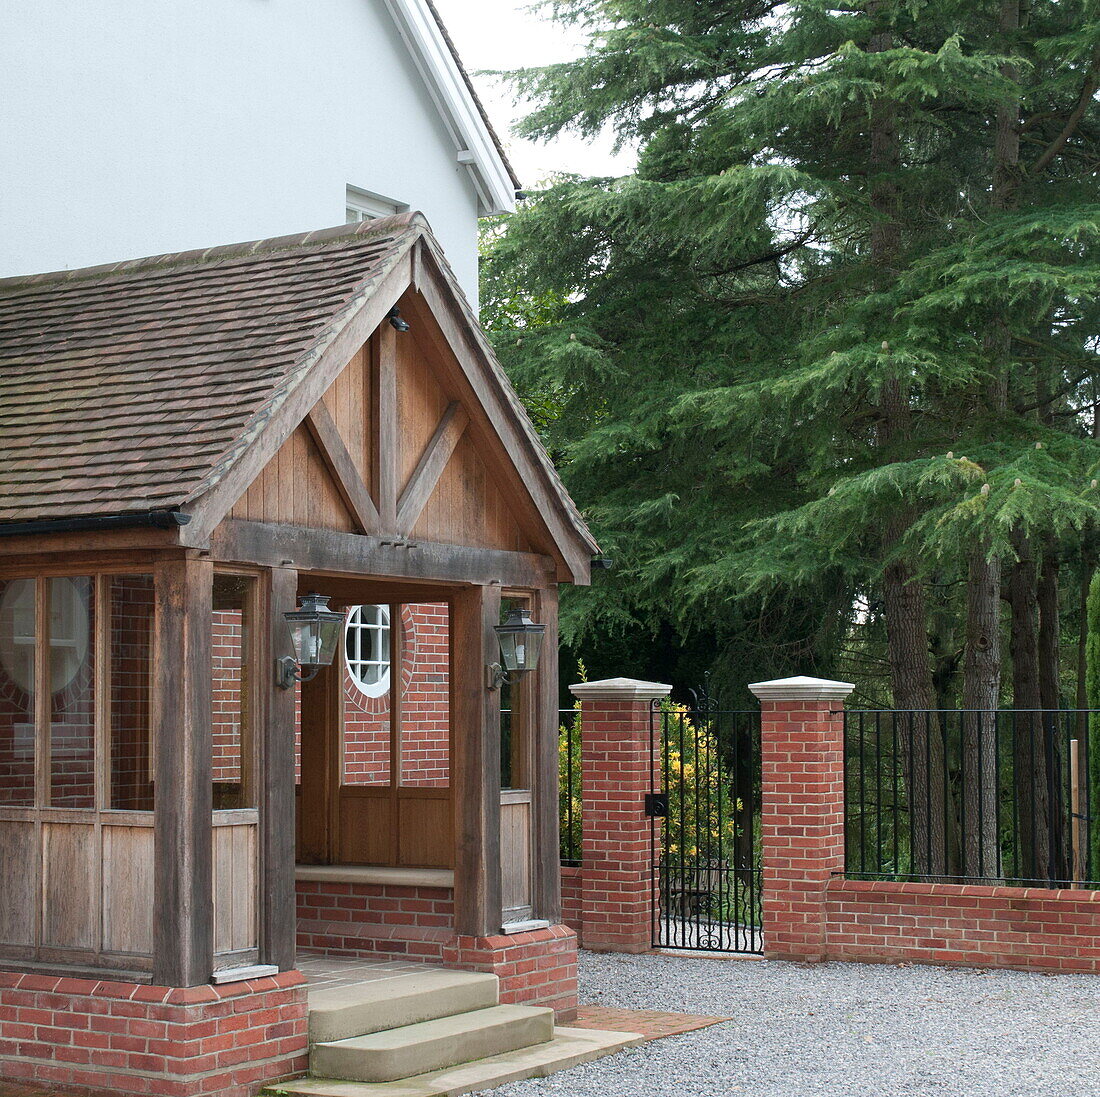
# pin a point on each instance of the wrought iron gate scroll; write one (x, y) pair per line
(704, 807)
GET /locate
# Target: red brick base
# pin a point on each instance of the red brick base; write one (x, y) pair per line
(1031, 929)
(82, 1034)
(572, 899)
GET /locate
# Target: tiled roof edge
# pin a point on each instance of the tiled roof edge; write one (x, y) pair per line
(375, 227)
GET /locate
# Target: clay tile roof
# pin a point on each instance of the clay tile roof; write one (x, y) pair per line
(123, 387)
(133, 387)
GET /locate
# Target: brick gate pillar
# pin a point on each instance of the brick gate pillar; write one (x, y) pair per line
(617, 891)
(802, 808)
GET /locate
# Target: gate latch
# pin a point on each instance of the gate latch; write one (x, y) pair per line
(656, 805)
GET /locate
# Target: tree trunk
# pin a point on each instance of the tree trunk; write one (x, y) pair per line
(1029, 753)
(981, 700)
(1050, 693)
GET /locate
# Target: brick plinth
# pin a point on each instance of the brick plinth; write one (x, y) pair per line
(535, 969)
(802, 810)
(124, 1038)
(617, 767)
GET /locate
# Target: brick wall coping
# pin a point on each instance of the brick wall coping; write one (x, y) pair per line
(375, 874)
(801, 688)
(144, 992)
(620, 689)
(977, 891)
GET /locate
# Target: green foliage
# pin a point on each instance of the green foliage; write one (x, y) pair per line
(708, 343)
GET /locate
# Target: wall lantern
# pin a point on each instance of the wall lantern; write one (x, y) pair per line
(520, 643)
(315, 632)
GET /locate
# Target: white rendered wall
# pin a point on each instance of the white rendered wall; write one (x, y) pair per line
(135, 127)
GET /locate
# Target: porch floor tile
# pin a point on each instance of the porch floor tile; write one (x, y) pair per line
(324, 972)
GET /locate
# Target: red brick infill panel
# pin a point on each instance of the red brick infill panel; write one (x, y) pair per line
(121, 1038)
(618, 769)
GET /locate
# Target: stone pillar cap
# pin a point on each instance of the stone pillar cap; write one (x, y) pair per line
(801, 688)
(620, 689)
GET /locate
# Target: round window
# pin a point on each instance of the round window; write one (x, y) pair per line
(367, 648)
(70, 601)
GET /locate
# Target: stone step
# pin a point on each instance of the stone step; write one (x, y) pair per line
(569, 1047)
(432, 1045)
(405, 999)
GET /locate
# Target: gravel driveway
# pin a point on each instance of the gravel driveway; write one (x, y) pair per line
(841, 1030)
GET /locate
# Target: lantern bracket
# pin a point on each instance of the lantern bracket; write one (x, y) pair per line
(287, 673)
(496, 676)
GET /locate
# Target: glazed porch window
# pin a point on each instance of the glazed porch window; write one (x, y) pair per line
(67, 637)
(233, 701)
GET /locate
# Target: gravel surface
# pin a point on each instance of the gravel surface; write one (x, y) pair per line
(841, 1030)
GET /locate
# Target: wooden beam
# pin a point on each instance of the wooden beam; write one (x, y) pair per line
(546, 852)
(344, 473)
(430, 466)
(324, 362)
(352, 554)
(183, 907)
(475, 733)
(277, 896)
(384, 365)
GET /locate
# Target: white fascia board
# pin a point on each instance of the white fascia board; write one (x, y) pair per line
(452, 98)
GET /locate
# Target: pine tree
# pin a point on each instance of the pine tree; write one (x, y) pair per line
(837, 334)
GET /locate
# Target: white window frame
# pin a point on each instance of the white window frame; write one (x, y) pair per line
(370, 676)
(364, 205)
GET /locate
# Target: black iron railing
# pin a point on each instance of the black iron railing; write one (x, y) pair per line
(971, 796)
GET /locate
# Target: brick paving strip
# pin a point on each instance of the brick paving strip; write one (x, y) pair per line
(650, 1023)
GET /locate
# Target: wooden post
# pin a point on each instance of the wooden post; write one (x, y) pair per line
(475, 716)
(277, 941)
(544, 771)
(183, 907)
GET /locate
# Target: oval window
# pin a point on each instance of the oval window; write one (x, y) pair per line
(367, 648)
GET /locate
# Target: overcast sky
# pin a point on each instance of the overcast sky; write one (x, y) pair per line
(506, 34)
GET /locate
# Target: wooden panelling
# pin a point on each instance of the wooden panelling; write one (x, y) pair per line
(128, 889)
(365, 825)
(236, 866)
(349, 403)
(425, 829)
(70, 914)
(296, 488)
(421, 403)
(515, 853)
(18, 907)
(468, 508)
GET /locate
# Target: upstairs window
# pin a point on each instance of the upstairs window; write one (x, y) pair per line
(363, 205)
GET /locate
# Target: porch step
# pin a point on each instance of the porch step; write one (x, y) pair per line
(569, 1047)
(432, 1045)
(365, 1008)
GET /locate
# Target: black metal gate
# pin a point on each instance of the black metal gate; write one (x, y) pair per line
(705, 810)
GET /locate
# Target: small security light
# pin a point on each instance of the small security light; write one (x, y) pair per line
(520, 645)
(315, 633)
(394, 317)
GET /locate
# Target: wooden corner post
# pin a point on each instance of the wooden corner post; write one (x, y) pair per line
(547, 829)
(183, 904)
(475, 716)
(279, 929)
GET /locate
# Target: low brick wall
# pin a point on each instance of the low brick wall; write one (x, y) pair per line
(1032, 929)
(134, 1038)
(378, 920)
